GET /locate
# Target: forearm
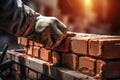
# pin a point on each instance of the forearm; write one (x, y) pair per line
(16, 18)
(20, 20)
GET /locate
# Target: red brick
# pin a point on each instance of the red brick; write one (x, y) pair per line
(36, 52)
(111, 70)
(105, 48)
(55, 58)
(19, 40)
(30, 50)
(86, 65)
(38, 44)
(31, 43)
(70, 60)
(79, 46)
(79, 43)
(45, 54)
(24, 41)
(99, 65)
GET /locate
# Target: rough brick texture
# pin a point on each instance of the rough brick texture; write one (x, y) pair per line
(98, 69)
(30, 50)
(111, 70)
(86, 65)
(79, 43)
(105, 48)
(55, 58)
(36, 52)
(87, 54)
(45, 54)
(69, 60)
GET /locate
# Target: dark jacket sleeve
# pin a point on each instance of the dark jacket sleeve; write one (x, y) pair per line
(16, 18)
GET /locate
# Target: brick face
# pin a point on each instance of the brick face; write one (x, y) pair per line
(79, 46)
(55, 58)
(24, 41)
(98, 71)
(86, 65)
(90, 54)
(79, 43)
(19, 40)
(38, 44)
(30, 50)
(103, 48)
(69, 60)
(36, 52)
(30, 43)
(111, 70)
(45, 54)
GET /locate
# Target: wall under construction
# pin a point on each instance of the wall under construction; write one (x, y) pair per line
(79, 57)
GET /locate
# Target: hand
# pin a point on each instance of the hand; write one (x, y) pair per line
(49, 31)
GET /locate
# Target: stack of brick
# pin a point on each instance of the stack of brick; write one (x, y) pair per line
(36, 50)
(94, 55)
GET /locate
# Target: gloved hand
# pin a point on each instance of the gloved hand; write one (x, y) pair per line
(49, 31)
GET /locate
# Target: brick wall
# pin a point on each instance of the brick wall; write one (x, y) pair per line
(97, 56)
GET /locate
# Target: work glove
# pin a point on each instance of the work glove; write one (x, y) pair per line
(49, 31)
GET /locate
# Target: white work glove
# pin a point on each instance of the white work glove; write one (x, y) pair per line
(49, 31)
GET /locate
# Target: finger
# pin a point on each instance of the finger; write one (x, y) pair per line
(57, 36)
(62, 27)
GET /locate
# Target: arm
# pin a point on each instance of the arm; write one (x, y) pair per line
(15, 18)
(20, 20)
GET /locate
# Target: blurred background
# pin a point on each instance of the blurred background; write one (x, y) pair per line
(86, 16)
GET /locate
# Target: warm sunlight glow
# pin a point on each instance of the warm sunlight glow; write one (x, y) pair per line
(88, 4)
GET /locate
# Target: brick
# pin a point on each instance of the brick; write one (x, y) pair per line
(55, 58)
(104, 48)
(45, 54)
(38, 44)
(79, 46)
(111, 70)
(19, 40)
(86, 65)
(36, 52)
(31, 43)
(98, 71)
(30, 50)
(24, 41)
(79, 43)
(69, 60)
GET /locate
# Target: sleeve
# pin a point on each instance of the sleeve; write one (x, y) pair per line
(16, 18)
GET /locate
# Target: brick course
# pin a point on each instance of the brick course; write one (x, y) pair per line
(90, 54)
